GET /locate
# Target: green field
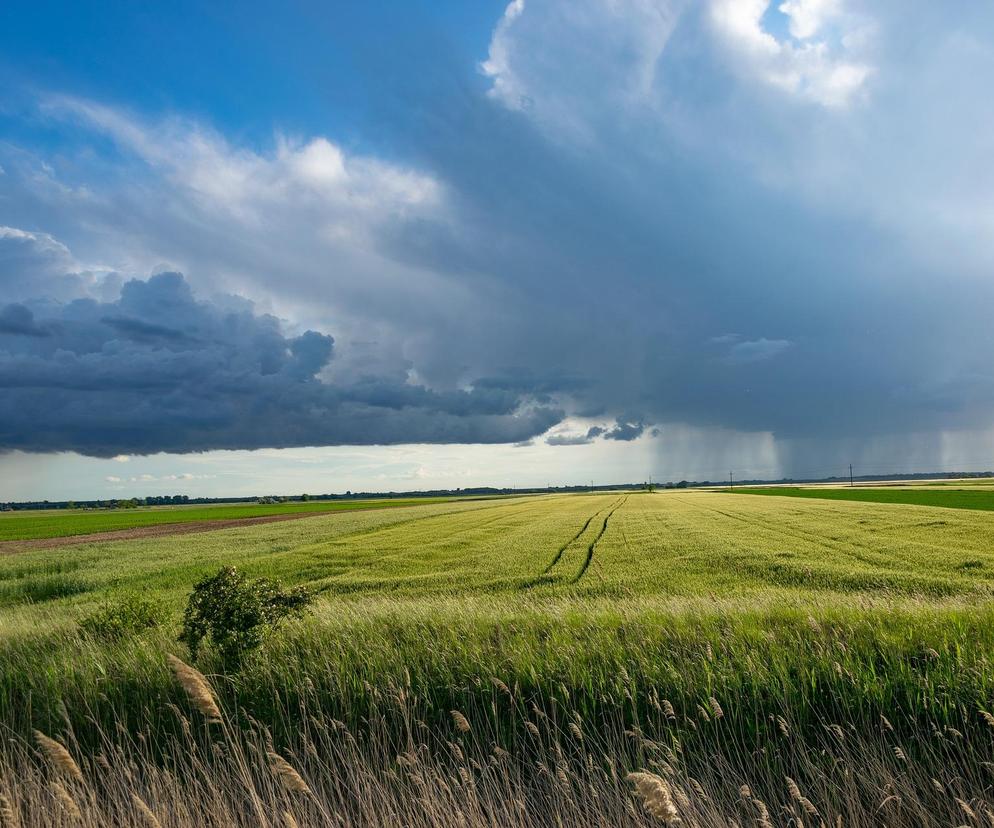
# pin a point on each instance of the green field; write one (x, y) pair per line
(715, 639)
(977, 497)
(61, 523)
(660, 546)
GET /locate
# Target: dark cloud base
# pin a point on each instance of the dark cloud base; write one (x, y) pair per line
(159, 370)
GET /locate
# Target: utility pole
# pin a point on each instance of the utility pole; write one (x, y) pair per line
(730, 484)
(850, 476)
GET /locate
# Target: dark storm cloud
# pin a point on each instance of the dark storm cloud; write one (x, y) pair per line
(19, 321)
(137, 329)
(159, 370)
(625, 431)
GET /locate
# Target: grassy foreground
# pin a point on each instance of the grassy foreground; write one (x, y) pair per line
(762, 662)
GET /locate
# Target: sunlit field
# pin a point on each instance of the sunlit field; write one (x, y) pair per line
(53, 523)
(758, 660)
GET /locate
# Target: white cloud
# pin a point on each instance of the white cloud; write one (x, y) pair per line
(813, 69)
(250, 185)
(498, 66)
(808, 16)
(561, 62)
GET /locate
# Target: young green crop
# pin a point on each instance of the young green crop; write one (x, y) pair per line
(960, 497)
(55, 523)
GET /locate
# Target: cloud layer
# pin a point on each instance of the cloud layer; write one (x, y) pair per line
(711, 218)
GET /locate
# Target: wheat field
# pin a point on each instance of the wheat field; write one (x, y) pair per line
(701, 658)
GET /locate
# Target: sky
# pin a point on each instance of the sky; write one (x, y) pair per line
(314, 247)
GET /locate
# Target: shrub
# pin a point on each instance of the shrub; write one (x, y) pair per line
(236, 613)
(129, 616)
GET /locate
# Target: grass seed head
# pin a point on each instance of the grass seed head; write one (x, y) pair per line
(147, 814)
(196, 687)
(657, 797)
(461, 722)
(64, 798)
(965, 806)
(7, 817)
(57, 755)
(287, 774)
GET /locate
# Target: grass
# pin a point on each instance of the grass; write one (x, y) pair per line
(948, 498)
(710, 639)
(67, 522)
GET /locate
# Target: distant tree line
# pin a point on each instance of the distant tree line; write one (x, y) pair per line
(478, 491)
(114, 503)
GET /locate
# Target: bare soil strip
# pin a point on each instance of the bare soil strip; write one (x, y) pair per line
(156, 531)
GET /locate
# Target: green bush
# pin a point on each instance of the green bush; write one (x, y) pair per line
(128, 616)
(236, 613)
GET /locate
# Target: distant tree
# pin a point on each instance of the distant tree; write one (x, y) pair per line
(305, 497)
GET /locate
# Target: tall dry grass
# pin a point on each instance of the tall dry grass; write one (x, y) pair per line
(505, 759)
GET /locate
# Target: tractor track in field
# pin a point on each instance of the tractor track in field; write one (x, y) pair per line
(562, 549)
(593, 544)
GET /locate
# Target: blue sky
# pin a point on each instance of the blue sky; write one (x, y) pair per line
(389, 246)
